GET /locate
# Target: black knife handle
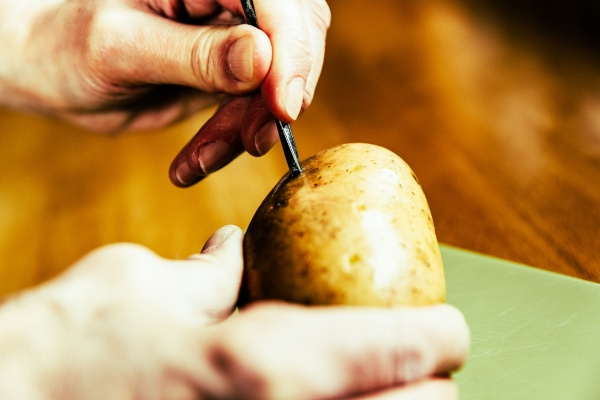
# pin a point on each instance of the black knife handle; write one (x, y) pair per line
(289, 148)
(285, 130)
(249, 12)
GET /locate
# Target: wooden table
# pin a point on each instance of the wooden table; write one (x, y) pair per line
(499, 120)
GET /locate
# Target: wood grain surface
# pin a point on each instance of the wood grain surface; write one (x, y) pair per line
(499, 118)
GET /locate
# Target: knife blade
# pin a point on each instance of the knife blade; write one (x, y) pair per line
(286, 136)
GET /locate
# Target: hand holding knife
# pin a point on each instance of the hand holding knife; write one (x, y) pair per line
(285, 131)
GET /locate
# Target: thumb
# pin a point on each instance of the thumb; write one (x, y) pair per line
(234, 59)
(216, 272)
(224, 242)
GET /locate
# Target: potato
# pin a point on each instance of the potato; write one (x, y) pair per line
(354, 228)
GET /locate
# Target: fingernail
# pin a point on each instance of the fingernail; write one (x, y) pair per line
(185, 175)
(266, 137)
(219, 237)
(241, 59)
(294, 95)
(213, 155)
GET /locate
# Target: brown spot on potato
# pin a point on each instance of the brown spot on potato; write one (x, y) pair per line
(415, 178)
(304, 272)
(281, 203)
(355, 258)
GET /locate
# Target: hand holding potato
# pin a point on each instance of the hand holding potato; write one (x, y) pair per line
(124, 323)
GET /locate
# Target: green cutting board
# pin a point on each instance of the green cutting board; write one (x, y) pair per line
(534, 334)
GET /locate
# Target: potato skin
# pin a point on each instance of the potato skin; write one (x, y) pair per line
(354, 228)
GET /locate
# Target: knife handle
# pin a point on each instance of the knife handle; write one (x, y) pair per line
(285, 130)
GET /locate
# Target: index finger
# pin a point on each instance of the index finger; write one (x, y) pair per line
(295, 352)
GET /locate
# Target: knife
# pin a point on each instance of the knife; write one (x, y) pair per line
(285, 130)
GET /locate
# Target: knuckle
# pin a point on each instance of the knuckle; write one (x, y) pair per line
(411, 358)
(123, 251)
(119, 263)
(264, 326)
(109, 39)
(408, 364)
(209, 61)
(301, 45)
(109, 42)
(301, 51)
(243, 380)
(200, 59)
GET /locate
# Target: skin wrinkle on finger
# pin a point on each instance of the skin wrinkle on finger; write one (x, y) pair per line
(321, 15)
(301, 54)
(209, 59)
(319, 21)
(206, 64)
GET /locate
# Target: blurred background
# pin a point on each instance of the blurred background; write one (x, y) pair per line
(494, 104)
